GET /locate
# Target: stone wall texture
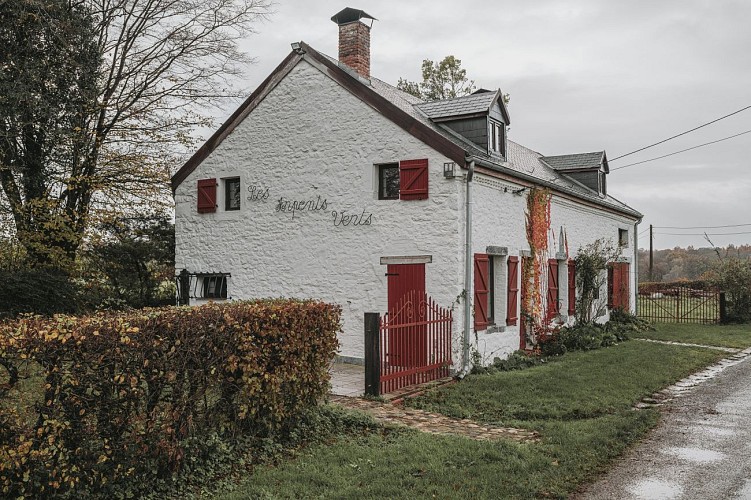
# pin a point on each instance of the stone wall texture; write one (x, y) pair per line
(311, 225)
(310, 139)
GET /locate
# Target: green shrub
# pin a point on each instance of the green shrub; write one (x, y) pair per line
(128, 398)
(588, 336)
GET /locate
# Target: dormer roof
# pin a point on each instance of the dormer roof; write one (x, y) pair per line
(457, 108)
(578, 162)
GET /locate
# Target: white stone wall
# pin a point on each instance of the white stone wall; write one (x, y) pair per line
(584, 225)
(499, 220)
(310, 138)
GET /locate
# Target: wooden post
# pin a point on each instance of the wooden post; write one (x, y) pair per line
(372, 354)
(723, 309)
(651, 238)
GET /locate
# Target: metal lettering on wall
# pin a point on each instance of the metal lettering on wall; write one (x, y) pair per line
(258, 193)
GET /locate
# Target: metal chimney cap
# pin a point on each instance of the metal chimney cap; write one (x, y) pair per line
(349, 15)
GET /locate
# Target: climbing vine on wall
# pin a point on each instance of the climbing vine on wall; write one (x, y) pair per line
(533, 268)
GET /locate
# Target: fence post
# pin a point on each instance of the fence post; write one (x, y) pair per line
(372, 354)
(183, 288)
(723, 309)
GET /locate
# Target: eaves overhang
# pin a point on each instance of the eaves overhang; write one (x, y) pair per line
(533, 181)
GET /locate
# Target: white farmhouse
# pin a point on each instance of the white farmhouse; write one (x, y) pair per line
(329, 183)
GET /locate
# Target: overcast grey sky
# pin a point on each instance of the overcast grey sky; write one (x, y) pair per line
(584, 75)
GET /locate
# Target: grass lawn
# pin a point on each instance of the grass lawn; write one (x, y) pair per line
(580, 404)
(718, 335)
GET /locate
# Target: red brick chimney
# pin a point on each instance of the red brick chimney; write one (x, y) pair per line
(354, 39)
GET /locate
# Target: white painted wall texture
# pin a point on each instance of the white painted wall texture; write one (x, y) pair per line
(311, 140)
(499, 220)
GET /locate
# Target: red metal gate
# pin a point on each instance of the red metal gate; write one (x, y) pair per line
(415, 342)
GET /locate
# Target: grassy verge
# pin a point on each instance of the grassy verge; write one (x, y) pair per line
(581, 405)
(738, 336)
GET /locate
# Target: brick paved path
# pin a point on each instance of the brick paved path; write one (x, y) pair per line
(433, 423)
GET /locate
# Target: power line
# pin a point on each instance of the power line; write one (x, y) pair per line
(699, 227)
(703, 234)
(682, 151)
(682, 133)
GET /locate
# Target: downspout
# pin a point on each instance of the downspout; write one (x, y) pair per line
(636, 267)
(467, 271)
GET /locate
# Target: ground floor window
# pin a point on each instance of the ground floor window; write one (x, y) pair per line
(215, 286)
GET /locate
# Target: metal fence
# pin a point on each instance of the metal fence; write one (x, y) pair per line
(409, 345)
(673, 303)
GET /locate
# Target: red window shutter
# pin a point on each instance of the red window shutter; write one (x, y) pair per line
(611, 285)
(571, 288)
(482, 271)
(553, 308)
(413, 179)
(513, 291)
(206, 196)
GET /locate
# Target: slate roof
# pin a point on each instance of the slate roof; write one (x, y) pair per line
(519, 159)
(581, 161)
(459, 106)
(410, 113)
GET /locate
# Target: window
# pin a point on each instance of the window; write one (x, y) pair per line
(623, 237)
(498, 138)
(571, 287)
(491, 290)
(602, 183)
(388, 181)
(232, 194)
(215, 286)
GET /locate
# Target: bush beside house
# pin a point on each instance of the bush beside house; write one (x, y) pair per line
(132, 398)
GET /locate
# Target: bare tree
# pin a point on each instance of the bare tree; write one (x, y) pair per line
(158, 66)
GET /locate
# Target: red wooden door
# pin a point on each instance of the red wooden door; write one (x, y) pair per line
(618, 286)
(407, 345)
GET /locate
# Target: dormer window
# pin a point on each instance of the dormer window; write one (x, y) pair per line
(498, 138)
(602, 184)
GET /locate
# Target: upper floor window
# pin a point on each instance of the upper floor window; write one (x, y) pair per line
(388, 181)
(498, 138)
(232, 193)
(623, 237)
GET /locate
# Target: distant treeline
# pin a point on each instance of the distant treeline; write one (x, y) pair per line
(686, 263)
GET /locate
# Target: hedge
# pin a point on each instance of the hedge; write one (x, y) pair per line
(650, 287)
(120, 394)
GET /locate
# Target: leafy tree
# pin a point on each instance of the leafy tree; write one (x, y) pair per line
(135, 257)
(440, 80)
(97, 103)
(47, 82)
